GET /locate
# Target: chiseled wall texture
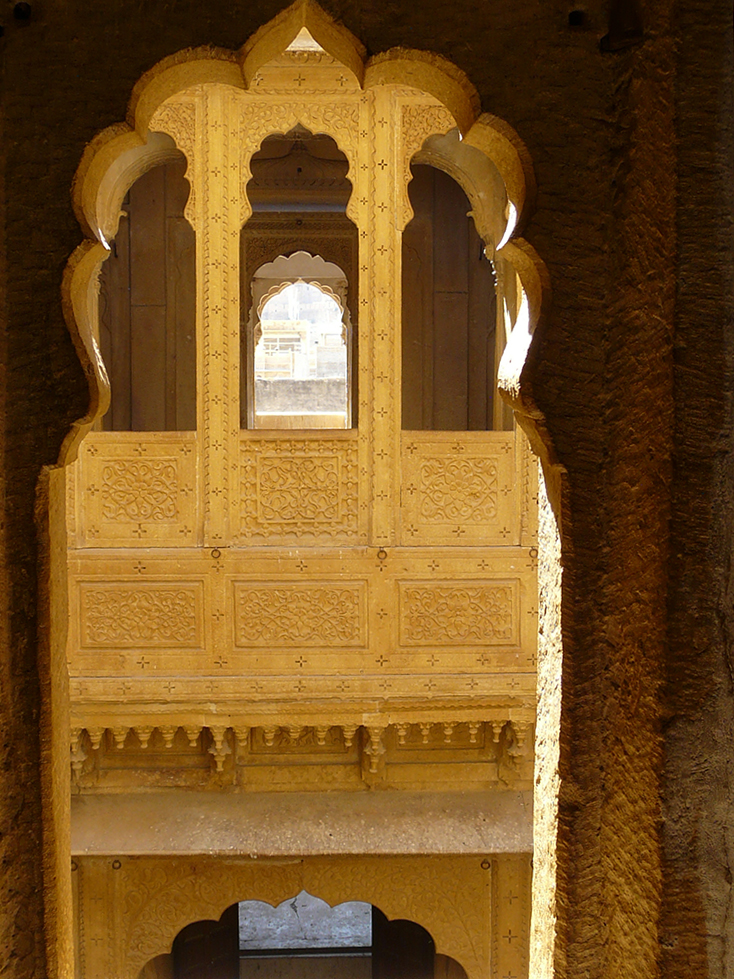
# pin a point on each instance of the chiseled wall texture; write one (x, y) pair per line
(633, 156)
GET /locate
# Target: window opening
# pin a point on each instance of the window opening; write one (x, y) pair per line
(299, 193)
(300, 360)
(449, 314)
(147, 308)
(303, 938)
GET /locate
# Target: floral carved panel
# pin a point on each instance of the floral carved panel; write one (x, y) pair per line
(141, 616)
(459, 489)
(137, 490)
(466, 614)
(291, 614)
(298, 490)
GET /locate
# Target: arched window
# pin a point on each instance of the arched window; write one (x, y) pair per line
(449, 312)
(147, 307)
(299, 345)
(298, 230)
(374, 587)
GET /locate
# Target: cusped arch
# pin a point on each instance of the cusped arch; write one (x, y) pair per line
(127, 148)
(184, 901)
(348, 921)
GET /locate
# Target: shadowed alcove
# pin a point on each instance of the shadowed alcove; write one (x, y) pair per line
(298, 193)
(147, 311)
(303, 938)
(449, 314)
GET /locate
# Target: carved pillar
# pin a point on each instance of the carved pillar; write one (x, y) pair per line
(383, 261)
(218, 305)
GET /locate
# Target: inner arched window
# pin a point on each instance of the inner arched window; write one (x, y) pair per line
(299, 269)
(147, 307)
(449, 313)
(300, 359)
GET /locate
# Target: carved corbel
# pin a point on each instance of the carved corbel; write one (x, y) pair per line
(520, 730)
(78, 754)
(375, 747)
(120, 735)
(242, 736)
(143, 734)
(168, 733)
(348, 732)
(95, 736)
(294, 733)
(321, 733)
(220, 749)
(192, 733)
(497, 729)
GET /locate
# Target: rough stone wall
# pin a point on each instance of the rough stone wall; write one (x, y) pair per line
(612, 431)
(697, 922)
(636, 393)
(543, 951)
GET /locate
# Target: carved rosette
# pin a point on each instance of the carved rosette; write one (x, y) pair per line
(134, 490)
(459, 490)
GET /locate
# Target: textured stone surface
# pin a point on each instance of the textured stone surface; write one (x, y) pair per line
(303, 822)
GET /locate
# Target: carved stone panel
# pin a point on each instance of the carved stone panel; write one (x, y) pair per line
(301, 490)
(132, 615)
(123, 627)
(133, 490)
(459, 488)
(293, 614)
(131, 909)
(467, 614)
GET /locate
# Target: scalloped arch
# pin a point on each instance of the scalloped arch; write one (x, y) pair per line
(443, 927)
(122, 152)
